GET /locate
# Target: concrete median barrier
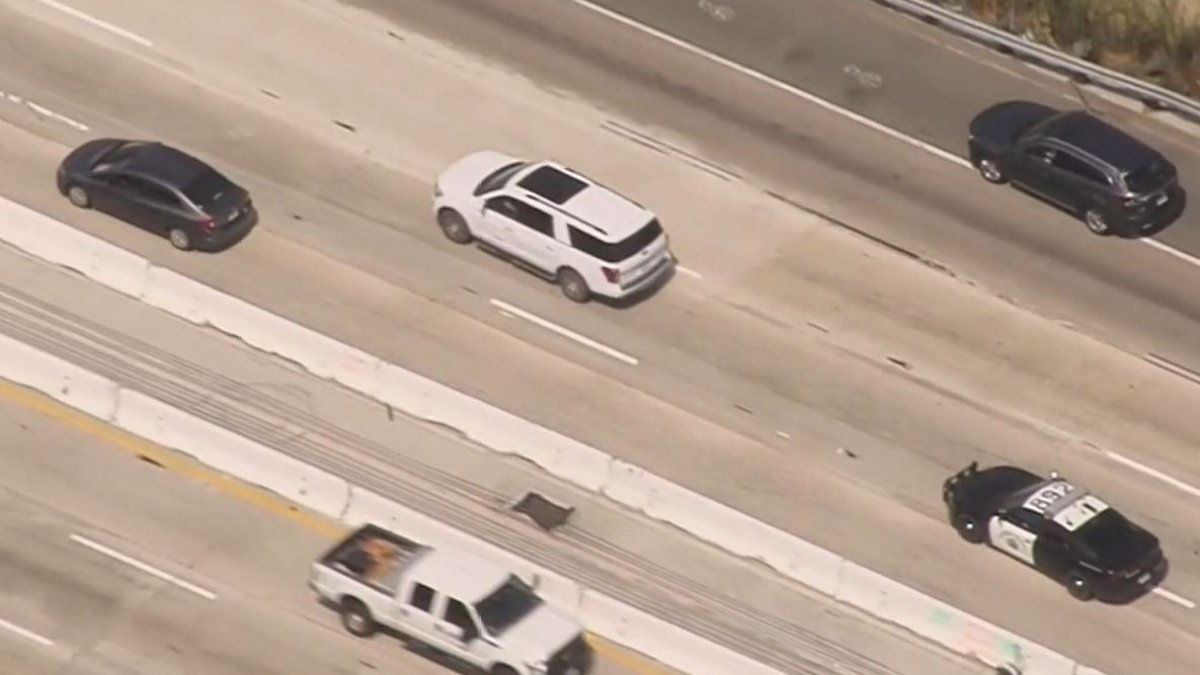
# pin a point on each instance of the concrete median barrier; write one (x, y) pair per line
(61, 380)
(670, 644)
(230, 453)
(47, 239)
(938, 622)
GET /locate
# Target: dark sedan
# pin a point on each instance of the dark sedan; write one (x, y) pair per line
(1114, 182)
(160, 189)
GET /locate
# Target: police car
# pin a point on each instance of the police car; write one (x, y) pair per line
(1056, 527)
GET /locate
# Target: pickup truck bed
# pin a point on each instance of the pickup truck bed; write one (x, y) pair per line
(374, 556)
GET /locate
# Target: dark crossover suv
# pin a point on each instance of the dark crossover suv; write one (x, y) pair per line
(160, 189)
(1061, 530)
(1114, 182)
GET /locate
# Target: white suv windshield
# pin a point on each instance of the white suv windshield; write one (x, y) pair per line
(507, 605)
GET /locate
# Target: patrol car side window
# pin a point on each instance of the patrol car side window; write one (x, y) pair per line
(1025, 518)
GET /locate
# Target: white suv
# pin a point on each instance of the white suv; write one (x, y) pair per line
(566, 227)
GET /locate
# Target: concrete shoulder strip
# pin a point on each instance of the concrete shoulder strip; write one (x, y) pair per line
(491, 427)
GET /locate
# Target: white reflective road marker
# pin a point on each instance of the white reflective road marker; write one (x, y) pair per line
(99, 23)
(1153, 473)
(506, 308)
(1177, 599)
(26, 633)
(139, 565)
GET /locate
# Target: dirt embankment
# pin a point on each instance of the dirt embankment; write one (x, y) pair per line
(1154, 40)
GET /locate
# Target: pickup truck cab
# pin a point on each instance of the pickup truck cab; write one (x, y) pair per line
(462, 605)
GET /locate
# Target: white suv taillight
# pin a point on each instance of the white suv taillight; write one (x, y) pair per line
(611, 274)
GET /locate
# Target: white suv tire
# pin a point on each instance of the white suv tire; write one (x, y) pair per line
(454, 226)
(573, 285)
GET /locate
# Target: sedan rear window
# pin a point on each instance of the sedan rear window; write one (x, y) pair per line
(1149, 178)
(621, 250)
(206, 188)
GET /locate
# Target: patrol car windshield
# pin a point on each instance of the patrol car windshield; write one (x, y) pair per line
(1113, 540)
(507, 605)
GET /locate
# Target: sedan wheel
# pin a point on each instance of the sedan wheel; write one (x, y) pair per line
(990, 170)
(1079, 588)
(1095, 222)
(180, 239)
(79, 197)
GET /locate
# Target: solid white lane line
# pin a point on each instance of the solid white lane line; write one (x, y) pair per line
(1177, 599)
(99, 23)
(564, 332)
(772, 82)
(46, 112)
(26, 633)
(1153, 473)
(139, 565)
(818, 101)
(1185, 257)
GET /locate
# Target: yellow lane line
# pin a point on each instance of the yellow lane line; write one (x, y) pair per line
(179, 463)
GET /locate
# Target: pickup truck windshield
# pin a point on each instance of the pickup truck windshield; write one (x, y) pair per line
(506, 605)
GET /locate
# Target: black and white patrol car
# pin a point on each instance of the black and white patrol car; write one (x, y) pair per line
(1058, 528)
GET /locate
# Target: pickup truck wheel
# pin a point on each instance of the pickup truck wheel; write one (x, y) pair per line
(357, 618)
(968, 528)
(503, 670)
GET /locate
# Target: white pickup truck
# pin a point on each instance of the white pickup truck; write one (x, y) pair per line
(456, 603)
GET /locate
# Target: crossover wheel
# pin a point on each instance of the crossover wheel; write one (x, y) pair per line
(1095, 222)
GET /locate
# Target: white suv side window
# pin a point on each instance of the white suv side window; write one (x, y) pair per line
(526, 214)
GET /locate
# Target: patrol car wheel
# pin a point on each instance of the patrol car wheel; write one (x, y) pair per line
(357, 618)
(1079, 588)
(968, 529)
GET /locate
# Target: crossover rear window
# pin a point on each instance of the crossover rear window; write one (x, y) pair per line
(621, 250)
(1149, 178)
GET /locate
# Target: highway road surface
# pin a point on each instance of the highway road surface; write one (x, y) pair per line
(115, 565)
(655, 568)
(793, 368)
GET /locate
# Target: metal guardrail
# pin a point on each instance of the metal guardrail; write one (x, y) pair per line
(1085, 72)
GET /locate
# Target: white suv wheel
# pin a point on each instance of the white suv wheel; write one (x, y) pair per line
(573, 285)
